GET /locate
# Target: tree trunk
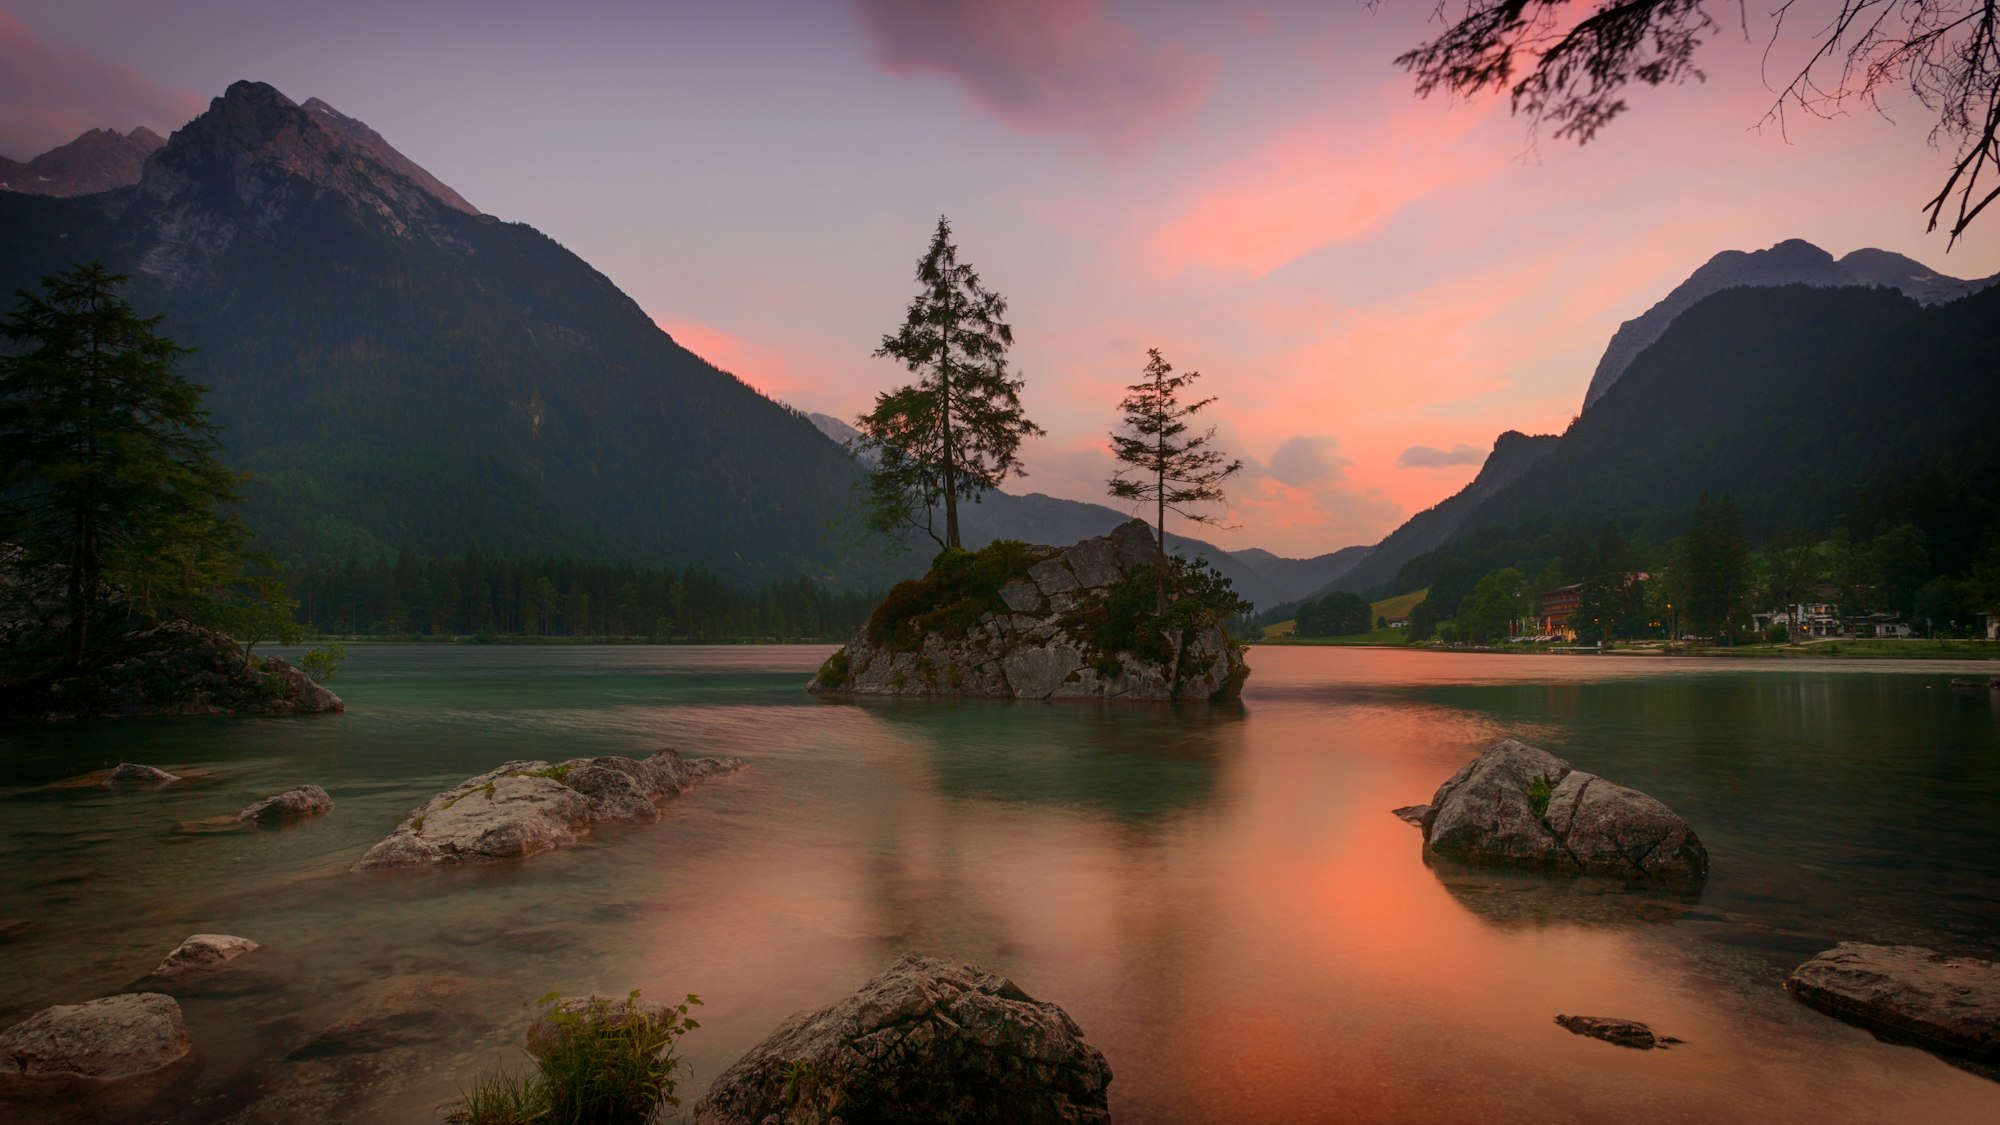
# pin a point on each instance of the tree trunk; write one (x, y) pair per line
(950, 460)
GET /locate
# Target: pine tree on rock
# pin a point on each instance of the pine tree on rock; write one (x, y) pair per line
(957, 431)
(1162, 463)
(109, 473)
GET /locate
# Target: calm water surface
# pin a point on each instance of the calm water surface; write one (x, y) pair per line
(1219, 895)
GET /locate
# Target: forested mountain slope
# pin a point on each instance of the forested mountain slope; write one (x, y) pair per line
(1790, 399)
(399, 370)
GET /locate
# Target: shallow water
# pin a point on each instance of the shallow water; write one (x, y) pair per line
(1219, 895)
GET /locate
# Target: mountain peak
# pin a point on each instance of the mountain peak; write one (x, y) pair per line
(98, 160)
(266, 150)
(1791, 262)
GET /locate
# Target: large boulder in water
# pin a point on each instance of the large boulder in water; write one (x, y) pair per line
(1520, 806)
(1016, 621)
(117, 1037)
(926, 1041)
(1909, 994)
(526, 807)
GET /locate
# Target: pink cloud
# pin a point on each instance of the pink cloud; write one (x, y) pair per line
(1044, 66)
(1322, 183)
(49, 94)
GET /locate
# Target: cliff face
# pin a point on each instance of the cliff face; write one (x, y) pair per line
(1021, 622)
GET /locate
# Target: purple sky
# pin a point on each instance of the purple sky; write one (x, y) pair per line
(1374, 286)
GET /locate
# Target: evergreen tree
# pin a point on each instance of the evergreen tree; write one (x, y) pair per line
(957, 431)
(1717, 565)
(1162, 465)
(108, 468)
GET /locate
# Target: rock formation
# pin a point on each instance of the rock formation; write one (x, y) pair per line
(926, 1041)
(1014, 621)
(1622, 1033)
(1519, 806)
(1909, 994)
(117, 1037)
(177, 669)
(526, 807)
(134, 775)
(203, 953)
(292, 804)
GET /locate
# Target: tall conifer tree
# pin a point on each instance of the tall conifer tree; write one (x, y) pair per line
(108, 468)
(1161, 463)
(957, 431)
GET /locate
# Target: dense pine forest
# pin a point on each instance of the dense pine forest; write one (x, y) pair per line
(488, 596)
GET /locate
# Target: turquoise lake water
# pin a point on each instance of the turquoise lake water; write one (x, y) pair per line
(1218, 895)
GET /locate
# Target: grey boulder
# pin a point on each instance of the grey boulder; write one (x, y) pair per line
(203, 953)
(926, 1041)
(1519, 806)
(116, 1037)
(133, 774)
(1909, 994)
(527, 807)
(291, 805)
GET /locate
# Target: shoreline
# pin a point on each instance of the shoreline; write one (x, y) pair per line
(1844, 649)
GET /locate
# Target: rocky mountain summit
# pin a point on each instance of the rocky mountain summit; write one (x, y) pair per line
(1792, 262)
(257, 154)
(99, 160)
(1014, 621)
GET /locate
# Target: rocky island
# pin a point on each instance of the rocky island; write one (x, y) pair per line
(1018, 621)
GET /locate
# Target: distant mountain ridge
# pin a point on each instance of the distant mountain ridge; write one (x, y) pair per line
(1258, 575)
(1792, 262)
(99, 160)
(1513, 454)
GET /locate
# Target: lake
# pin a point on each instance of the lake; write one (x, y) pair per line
(1218, 894)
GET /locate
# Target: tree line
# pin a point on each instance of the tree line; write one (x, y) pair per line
(485, 595)
(1880, 559)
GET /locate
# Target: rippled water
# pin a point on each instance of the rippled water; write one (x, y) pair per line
(1219, 895)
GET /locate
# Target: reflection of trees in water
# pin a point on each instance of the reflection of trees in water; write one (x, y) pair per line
(1135, 761)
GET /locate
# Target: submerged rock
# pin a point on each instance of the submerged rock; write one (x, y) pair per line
(292, 804)
(1624, 1033)
(396, 1012)
(527, 807)
(1062, 625)
(1908, 994)
(133, 774)
(926, 1041)
(1519, 806)
(116, 1037)
(204, 953)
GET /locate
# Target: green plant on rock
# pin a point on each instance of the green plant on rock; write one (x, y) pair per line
(502, 1098)
(1539, 792)
(1128, 616)
(834, 672)
(959, 589)
(601, 1062)
(324, 662)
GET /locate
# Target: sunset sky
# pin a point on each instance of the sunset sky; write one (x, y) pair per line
(1374, 285)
